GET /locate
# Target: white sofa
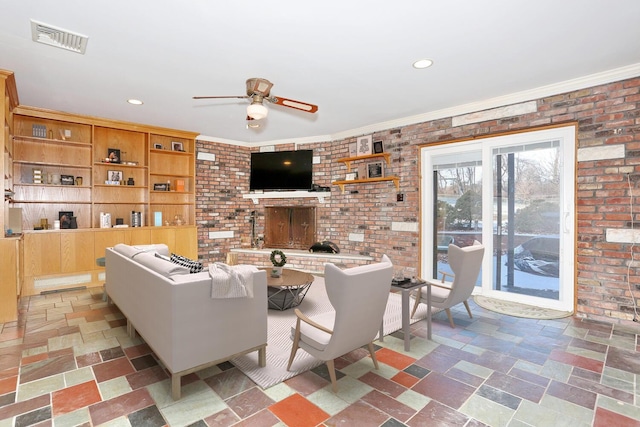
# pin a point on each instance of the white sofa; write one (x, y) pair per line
(174, 313)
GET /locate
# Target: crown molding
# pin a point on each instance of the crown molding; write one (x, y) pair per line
(606, 77)
(297, 141)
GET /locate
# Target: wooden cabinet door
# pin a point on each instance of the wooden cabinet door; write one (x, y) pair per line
(41, 254)
(292, 227)
(186, 242)
(107, 238)
(137, 236)
(77, 251)
(9, 262)
(180, 240)
(164, 235)
(303, 227)
(277, 221)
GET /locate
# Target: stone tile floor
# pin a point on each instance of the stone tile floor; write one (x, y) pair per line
(69, 362)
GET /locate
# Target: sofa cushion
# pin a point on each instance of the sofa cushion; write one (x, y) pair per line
(133, 251)
(160, 266)
(192, 265)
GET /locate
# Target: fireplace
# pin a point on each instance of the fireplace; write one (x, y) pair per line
(290, 227)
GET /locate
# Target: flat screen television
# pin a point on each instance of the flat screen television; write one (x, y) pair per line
(281, 170)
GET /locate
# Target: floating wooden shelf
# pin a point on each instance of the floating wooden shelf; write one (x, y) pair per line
(348, 160)
(63, 142)
(395, 179)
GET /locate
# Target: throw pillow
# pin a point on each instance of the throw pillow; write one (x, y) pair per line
(193, 266)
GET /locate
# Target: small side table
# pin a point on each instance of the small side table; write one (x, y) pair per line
(405, 290)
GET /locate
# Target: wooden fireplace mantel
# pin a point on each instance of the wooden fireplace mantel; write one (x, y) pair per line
(256, 197)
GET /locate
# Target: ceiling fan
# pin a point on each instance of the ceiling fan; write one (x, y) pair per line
(259, 90)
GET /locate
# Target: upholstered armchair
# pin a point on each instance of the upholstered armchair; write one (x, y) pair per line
(359, 297)
(465, 264)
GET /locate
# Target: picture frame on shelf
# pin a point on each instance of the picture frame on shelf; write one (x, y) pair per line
(378, 148)
(65, 218)
(161, 186)
(375, 170)
(177, 146)
(351, 176)
(353, 149)
(158, 146)
(114, 176)
(365, 145)
(67, 180)
(113, 155)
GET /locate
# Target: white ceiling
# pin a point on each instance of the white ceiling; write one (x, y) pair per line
(351, 58)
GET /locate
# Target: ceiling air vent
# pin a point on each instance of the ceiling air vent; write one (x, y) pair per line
(58, 37)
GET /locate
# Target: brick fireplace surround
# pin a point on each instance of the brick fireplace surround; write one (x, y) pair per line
(367, 220)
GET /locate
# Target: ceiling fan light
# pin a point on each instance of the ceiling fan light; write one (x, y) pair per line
(422, 63)
(257, 111)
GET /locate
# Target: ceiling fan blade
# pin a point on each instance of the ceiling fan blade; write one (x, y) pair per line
(214, 97)
(303, 106)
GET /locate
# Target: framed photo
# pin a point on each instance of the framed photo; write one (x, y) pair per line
(113, 154)
(377, 147)
(161, 186)
(365, 145)
(158, 146)
(65, 218)
(67, 180)
(115, 176)
(375, 170)
(176, 146)
(353, 149)
(351, 176)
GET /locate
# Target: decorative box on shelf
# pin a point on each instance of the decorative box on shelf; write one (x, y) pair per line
(37, 176)
(39, 131)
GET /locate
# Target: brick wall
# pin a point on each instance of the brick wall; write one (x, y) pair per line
(368, 220)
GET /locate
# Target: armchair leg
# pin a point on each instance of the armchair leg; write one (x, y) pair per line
(373, 355)
(466, 304)
(332, 373)
(450, 317)
(175, 386)
(415, 304)
(295, 346)
(262, 357)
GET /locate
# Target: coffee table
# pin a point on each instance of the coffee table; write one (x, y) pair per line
(288, 290)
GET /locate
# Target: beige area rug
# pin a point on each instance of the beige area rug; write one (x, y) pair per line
(279, 331)
(519, 310)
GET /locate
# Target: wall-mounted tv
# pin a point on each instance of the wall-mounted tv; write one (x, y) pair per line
(281, 170)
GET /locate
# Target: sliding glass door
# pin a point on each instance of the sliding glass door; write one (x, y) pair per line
(515, 194)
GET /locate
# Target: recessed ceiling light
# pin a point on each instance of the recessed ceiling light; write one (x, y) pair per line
(423, 63)
(135, 101)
